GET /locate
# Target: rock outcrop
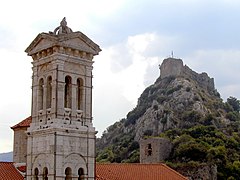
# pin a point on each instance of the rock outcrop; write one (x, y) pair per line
(167, 104)
(178, 91)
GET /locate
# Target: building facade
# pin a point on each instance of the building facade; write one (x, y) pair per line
(61, 137)
(20, 141)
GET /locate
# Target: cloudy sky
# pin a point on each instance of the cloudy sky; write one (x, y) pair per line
(134, 35)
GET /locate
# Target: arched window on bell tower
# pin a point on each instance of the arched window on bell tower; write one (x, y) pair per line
(40, 94)
(79, 93)
(80, 174)
(68, 92)
(68, 173)
(45, 173)
(49, 92)
(36, 172)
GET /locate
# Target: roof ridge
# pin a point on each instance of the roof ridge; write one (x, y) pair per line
(155, 170)
(24, 123)
(6, 162)
(173, 170)
(8, 171)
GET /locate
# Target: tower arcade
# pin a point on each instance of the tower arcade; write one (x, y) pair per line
(61, 137)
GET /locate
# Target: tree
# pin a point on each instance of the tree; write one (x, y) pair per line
(191, 151)
(217, 155)
(233, 116)
(234, 102)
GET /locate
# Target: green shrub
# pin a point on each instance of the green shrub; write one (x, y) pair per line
(191, 116)
(148, 132)
(191, 150)
(173, 89)
(233, 116)
(234, 103)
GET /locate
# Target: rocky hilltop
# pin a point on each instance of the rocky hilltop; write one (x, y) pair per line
(177, 93)
(179, 101)
(174, 67)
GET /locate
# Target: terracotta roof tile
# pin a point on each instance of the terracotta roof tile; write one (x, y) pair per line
(108, 172)
(9, 172)
(25, 123)
(136, 171)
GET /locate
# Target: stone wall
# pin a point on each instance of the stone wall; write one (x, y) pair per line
(174, 67)
(57, 149)
(203, 79)
(171, 67)
(20, 145)
(154, 150)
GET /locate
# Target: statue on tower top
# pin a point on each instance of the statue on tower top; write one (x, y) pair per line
(63, 28)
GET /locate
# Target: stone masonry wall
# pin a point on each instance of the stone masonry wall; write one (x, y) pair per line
(171, 67)
(154, 150)
(174, 67)
(20, 145)
(203, 79)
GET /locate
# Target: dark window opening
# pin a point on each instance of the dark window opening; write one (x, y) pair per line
(68, 92)
(49, 92)
(68, 173)
(45, 173)
(79, 93)
(36, 172)
(80, 174)
(149, 149)
(40, 94)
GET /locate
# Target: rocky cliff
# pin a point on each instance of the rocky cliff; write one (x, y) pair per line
(179, 100)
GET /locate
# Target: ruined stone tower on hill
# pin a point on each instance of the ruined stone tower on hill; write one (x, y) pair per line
(175, 67)
(178, 90)
(61, 137)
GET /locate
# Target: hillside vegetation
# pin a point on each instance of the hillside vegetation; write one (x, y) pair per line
(186, 109)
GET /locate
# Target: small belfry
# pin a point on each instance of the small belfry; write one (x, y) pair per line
(61, 137)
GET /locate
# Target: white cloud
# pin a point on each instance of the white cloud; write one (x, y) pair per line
(132, 62)
(139, 43)
(230, 90)
(122, 72)
(15, 78)
(223, 65)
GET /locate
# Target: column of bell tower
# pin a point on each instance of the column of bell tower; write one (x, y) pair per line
(61, 137)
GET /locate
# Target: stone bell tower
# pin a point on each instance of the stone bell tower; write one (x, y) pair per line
(61, 137)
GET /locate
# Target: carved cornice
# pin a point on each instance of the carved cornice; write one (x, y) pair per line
(62, 43)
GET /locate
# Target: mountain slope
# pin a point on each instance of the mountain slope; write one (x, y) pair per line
(179, 101)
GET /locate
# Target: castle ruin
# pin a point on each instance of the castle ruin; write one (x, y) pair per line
(175, 67)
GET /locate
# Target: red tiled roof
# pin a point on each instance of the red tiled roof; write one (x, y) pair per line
(136, 171)
(25, 123)
(109, 172)
(9, 172)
